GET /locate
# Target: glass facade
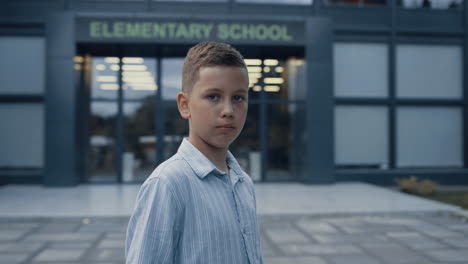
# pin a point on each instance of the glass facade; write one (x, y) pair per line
(361, 137)
(22, 136)
(361, 70)
(22, 64)
(356, 2)
(418, 76)
(22, 74)
(435, 4)
(396, 99)
(429, 137)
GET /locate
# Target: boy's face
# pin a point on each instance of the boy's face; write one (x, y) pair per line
(216, 107)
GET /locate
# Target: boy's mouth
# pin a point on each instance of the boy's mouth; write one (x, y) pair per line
(226, 126)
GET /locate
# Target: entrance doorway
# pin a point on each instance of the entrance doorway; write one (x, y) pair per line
(131, 122)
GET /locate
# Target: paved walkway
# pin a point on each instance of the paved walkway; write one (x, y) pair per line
(342, 223)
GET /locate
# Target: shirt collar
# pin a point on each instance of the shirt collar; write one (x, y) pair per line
(203, 166)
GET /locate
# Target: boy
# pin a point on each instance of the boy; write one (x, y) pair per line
(199, 206)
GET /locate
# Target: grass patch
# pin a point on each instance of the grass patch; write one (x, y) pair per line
(459, 198)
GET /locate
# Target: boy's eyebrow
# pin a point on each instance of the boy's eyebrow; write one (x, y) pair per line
(221, 90)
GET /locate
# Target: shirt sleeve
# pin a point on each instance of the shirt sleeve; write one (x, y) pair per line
(153, 229)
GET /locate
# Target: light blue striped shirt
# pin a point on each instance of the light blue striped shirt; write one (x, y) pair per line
(188, 211)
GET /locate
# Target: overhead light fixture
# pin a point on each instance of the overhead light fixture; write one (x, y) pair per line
(272, 88)
(153, 87)
(279, 69)
(137, 74)
(109, 86)
(134, 60)
(100, 67)
(78, 59)
(134, 67)
(270, 62)
(115, 67)
(254, 75)
(254, 69)
(77, 67)
(257, 88)
(273, 80)
(137, 80)
(266, 69)
(253, 62)
(112, 60)
(104, 78)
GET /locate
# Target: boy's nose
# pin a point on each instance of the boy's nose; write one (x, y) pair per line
(228, 109)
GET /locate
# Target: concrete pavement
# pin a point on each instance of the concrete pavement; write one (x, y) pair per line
(330, 224)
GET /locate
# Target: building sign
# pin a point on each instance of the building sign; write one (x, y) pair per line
(121, 30)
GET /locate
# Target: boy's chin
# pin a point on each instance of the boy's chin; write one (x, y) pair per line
(220, 143)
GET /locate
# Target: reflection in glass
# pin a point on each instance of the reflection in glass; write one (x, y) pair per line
(176, 128)
(138, 77)
(102, 143)
(246, 148)
(280, 79)
(171, 79)
(283, 143)
(356, 2)
(139, 156)
(435, 4)
(104, 77)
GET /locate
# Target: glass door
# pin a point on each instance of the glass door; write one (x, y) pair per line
(103, 117)
(122, 100)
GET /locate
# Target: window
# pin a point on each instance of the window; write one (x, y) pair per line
(429, 137)
(361, 70)
(22, 135)
(418, 76)
(435, 4)
(22, 64)
(356, 2)
(361, 137)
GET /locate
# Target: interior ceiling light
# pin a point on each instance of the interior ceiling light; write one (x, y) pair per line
(272, 88)
(270, 62)
(254, 75)
(103, 78)
(134, 67)
(78, 67)
(145, 87)
(266, 69)
(279, 69)
(100, 67)
(112, 60)
(115, 67)
(273, 80)
(253, 61)
(254, 69)
(78, 59)
(109, 86)
(137, 74)
(257, 88)
(134, 60)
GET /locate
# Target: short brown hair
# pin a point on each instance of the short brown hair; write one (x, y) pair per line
(208, 54)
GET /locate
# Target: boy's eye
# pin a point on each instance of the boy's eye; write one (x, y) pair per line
(239, 98)
(212, 97)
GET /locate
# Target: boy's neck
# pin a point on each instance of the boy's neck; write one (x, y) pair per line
(216, 155)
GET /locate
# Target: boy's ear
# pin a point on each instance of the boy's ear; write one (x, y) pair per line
(182, 104)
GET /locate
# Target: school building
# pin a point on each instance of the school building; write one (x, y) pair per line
(340, 90)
